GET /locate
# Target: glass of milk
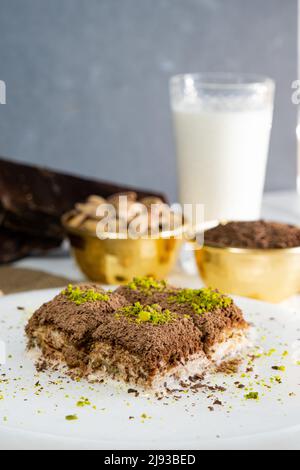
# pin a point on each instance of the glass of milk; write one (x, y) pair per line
(222, 128)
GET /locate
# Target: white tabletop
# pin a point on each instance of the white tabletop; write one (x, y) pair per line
(279, 206)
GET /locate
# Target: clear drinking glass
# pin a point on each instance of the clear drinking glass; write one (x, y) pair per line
(222, 128)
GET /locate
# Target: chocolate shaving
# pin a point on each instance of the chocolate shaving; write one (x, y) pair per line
(258, 234)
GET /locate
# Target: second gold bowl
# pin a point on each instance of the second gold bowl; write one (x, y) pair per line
(269, 275)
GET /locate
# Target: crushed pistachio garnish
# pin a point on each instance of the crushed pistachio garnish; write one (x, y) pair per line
(146, 284)
(71, 417)
(271, 352)
(280, 368)
(201, 300)
(79, 296)
(252, 396)
(146, 314)
(83, 402)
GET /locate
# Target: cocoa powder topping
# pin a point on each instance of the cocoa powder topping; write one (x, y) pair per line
(257, 234)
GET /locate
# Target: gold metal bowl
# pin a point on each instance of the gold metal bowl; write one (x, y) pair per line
(269, 275)
(117, 260)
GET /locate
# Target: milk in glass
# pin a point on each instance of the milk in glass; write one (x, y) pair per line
(222, 154)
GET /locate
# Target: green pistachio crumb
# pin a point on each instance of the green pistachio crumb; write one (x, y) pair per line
(71, 417)
(146, 314)
(79, 296)
(146, 284)
(270, 352)
(83, 402)
(202, 300)
(252, 396)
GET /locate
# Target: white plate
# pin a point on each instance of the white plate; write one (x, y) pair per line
(33, 411)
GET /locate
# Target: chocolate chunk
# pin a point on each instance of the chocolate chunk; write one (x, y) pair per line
(218, 403)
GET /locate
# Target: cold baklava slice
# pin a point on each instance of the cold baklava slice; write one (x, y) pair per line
(146, 333)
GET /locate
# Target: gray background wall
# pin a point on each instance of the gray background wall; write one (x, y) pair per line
(87, 80)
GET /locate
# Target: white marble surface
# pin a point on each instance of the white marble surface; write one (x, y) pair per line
(281, 206)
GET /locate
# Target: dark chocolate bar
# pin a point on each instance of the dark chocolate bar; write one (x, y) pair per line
(17, 245)
(33, 199)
